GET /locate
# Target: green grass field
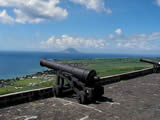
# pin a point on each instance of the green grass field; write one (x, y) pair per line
(104, 67)
(22, 85)
(107, 67)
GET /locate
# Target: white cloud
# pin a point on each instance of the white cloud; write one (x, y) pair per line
(97, 5)
(5, 18)
(127, 43)
(139, 41)
(35, 11)
(118, 31)
(158, 2)
(135, 42)
(111, 36)
(66, 41)
(108, 10)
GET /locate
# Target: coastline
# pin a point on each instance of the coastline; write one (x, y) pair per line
(37, 80)
(45, 72)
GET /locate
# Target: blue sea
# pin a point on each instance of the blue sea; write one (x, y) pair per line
(17, 64)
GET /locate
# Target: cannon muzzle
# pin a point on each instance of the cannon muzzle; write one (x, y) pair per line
(150, 61)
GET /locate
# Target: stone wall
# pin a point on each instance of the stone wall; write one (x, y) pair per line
(25, 96)
(125, 76)
(31, 95)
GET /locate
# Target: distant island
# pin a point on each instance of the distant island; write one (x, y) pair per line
(70, 50)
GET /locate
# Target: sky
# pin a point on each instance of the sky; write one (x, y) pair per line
(93, 26)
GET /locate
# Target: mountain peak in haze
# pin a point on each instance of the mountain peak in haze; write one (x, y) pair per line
(70, 50)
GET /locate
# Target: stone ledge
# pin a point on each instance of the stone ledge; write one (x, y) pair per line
(25, 96)
(31, 95)
(125, 76)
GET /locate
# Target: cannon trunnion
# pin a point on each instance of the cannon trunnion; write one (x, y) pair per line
(81, 81)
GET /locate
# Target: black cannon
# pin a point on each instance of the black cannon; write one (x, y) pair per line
(81, 81)
(156, 64)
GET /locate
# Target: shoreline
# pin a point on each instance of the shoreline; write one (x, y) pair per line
(38, 75)
(44, 72)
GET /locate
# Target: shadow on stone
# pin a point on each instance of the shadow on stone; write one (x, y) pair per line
(102, 99)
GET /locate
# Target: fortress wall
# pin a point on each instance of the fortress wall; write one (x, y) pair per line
(32, 95)
(25, 96)
(125, 76)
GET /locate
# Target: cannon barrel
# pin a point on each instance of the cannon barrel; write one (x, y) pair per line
(84, 75)
(150, 61)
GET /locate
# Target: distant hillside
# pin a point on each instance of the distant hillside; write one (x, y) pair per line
(70, 50)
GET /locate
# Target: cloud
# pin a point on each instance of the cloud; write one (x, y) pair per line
(113, 42)
(118, 31)
(35, 11)
(134, 42)
(66, 41)
(111, 36)
(139, 41)
(5, 18)
(158, 2)
(97, 5)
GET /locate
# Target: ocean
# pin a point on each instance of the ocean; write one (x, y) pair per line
(18, 64)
